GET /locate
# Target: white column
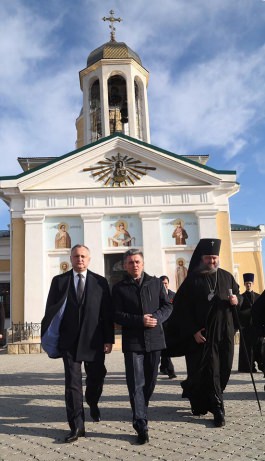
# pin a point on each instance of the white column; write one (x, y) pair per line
(152, 245)
(207, 223)
(104, 102)
(34, 295)
(131, 105)
(93, 240)
(86, 111)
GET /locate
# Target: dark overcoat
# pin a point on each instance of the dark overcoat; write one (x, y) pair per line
(96, 326)
(131, 302)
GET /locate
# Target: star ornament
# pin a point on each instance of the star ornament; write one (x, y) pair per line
(118, 171)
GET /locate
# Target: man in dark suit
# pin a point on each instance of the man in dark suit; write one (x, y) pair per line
(85, 334)
(247, 331)
(141, 306)
(166, 364)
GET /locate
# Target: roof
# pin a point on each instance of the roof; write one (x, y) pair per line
(242, 227)
(4, 233)
(112, 50)
(42, 161)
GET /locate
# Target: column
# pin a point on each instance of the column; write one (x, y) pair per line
(34, 296)
(152, 244)
(93, 240)
(207, 223)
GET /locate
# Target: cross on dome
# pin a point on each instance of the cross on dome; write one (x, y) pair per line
(111, 19)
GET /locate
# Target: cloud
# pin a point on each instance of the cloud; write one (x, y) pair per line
(212, 104)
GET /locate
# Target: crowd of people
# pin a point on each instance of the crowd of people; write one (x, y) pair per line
(199, 322)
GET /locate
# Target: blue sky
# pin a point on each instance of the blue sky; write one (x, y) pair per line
(206, 94)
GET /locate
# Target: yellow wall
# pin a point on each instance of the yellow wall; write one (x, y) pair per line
(17, 269)
(250, 261)
(224, 233)
(4, 265)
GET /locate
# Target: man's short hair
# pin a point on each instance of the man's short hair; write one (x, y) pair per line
(164, 277)
(79, 246)
(132, 252)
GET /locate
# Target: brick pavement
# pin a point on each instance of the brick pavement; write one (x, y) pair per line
(33, 420)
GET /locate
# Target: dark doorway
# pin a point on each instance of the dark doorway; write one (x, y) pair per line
(114, 271)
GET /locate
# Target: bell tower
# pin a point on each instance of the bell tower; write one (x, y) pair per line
(114, 86)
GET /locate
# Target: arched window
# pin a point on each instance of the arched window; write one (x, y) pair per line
(95, 111)
(118, 110)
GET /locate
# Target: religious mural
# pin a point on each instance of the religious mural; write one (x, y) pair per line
(180, 272)
(177, 268)
(179, 234)
(64, 267)
(62, 238)
(63, 233)
(179, 229)
(122, 231)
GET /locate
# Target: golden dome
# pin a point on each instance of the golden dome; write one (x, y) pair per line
(112, 50)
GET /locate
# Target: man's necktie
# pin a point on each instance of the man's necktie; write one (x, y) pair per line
(80, 287)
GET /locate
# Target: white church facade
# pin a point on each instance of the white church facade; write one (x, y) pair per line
(117, 191)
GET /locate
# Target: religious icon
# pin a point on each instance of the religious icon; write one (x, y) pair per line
(64, 267)
(179, 233)
(121, 236)
(119, 170)
(181, 272)
(62, 238)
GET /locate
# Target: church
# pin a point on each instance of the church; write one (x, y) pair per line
(116, 191)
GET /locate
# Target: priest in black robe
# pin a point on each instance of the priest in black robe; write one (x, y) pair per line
(247, 331)
(202, 328)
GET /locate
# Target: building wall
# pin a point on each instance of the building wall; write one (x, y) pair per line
(4, 265)
(224, 233)
(17, 269)
(250, 262)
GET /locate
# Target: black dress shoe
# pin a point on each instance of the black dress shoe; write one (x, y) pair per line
(163, 371)
(143, 437)
(95, 413)
(219, 419)
(172, 375)
(74, 434)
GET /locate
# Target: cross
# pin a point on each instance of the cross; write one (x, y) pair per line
(111, 19)
(212, 242)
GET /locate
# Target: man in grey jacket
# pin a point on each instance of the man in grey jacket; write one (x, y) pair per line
(141, 306)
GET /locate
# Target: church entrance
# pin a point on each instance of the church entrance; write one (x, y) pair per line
(114, 268)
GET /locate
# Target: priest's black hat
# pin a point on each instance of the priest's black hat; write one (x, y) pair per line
(206, 246)
(248, 277)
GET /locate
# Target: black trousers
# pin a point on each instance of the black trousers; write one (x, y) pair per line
(166, 364)
(95, 374)
(141, 374)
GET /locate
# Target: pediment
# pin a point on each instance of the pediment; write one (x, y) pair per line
(119, 163)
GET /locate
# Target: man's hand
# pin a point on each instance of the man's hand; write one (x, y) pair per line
(149, 321)
(107, 348)
(233, 300)
(199, 338)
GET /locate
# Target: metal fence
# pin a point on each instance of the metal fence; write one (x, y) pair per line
(23, 332)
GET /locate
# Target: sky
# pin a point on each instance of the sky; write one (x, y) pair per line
(206, 93)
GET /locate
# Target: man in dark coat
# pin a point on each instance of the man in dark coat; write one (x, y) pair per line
(247, 330)
(166, 364)
(141, 306)
(203, 319)
(86, 334)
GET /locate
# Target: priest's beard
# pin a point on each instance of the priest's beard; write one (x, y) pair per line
(205, 269)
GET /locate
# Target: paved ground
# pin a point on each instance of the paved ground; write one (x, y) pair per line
(33, 422)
